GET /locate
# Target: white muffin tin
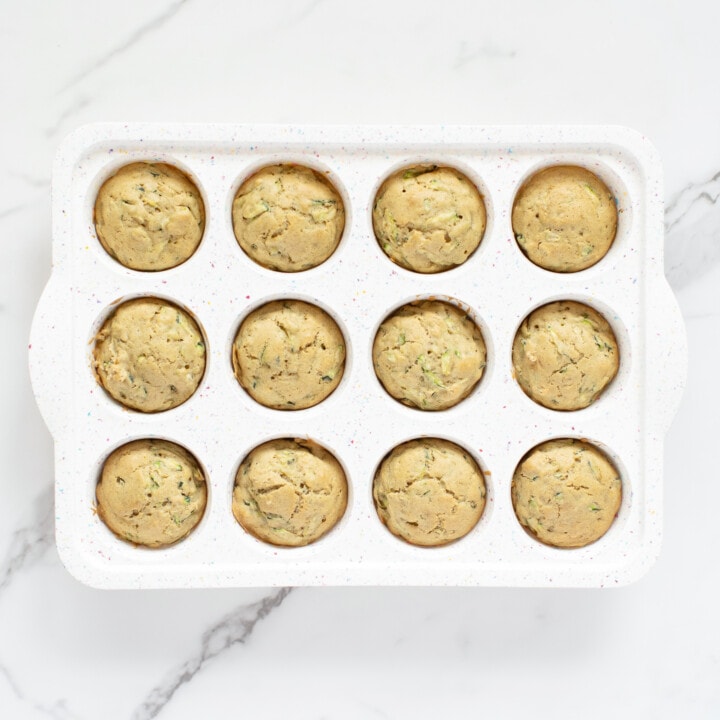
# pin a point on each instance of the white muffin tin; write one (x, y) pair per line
(359, 422)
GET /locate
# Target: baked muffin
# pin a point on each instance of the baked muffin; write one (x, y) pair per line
(429, 492)
(566, 493)
(564, 218)
(149, 216)
(289, 492)
(289, 355)
(288, 218)
(564, 355)
(151, 492)
(428, 218)
(149, 355)
(429, 355)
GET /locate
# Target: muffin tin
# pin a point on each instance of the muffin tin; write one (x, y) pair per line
(359, 423)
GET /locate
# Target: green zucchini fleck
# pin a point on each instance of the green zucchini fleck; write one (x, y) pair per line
(445, 362)
(592, 192)
(416, 172)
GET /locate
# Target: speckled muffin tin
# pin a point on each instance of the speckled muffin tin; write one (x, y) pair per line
(359, 286)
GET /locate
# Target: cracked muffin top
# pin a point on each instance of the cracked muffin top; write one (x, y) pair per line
(289, 355)
(429, 492)
(289, 492)
(428, 219)
(151, 492)
(149, 216)
(149, 355)
(429, 355)
(564, 355)
(288, 218)
(564, 218)
(566, 493)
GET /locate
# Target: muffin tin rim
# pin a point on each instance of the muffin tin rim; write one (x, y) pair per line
(106, 313)
(464, 169)
(475, 317)
(313, 163)
(612, 181)
(110, 170)
(624, 346)
(628, 489)
(479, 528)
(95, 474)
(328, 535)
(309, 300)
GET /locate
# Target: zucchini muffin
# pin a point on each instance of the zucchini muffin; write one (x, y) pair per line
(289, 492)
(566, 493)
(429, 492)
(564, 355)
(288, 218)
(151, 492)
(149, 216)
(564, 218)
(428, 218)
(149, 355)
(429, 355)
(289, 355)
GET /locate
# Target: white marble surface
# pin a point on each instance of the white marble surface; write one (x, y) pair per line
(646, 651)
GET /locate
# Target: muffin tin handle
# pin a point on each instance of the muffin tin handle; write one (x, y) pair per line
(49, 357)
(667, 358)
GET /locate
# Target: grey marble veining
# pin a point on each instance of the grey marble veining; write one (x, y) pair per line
(58, 710)
(692, 232)
(235, 628)
(30, 542)
(485, 51)
(114, 52)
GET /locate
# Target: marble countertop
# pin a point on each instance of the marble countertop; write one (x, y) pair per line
(649, 650)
